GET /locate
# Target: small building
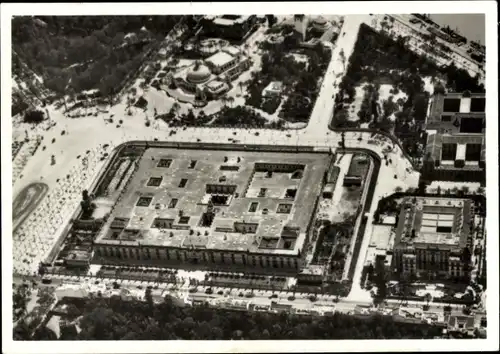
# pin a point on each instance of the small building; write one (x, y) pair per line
(463, 324)
(216, 88)
(357, 171)
(162, 53)
(78, 258)
(220, 62)
(211, 77)
(313, 274)
(275, 306)
(273, 89)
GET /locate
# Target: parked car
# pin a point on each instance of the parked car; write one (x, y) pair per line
(249, 294)
(291, 298)
(313, 298)
(273, 296)
(220, 292)
(209, 291)
(240, 295)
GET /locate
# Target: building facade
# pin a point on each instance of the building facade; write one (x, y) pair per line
(211, 77)
(456, 145)
(431, 238)
(118, 254)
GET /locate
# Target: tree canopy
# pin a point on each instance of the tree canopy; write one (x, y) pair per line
(116, 319)
(86, 52)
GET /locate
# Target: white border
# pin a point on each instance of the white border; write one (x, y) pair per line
(489, 8)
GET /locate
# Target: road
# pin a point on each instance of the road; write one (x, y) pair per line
(298, 301)
(459, 51)
(323, 109)
(77, 141)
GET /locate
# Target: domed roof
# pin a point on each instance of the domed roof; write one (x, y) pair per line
(198, 74)
(320, 20)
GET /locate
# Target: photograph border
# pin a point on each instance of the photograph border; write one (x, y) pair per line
(489, 8)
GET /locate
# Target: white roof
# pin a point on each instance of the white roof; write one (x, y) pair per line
(445, 223)
(446, 217)
(465, 105)
(461, 151)
(429, 216)
(220, 59)
(228, 22)
(274, 86)
(214, 84)
(232, 50)
(223, 22)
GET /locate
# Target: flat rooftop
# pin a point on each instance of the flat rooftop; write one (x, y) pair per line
(228, 20)
(273, 208)
(463, 143)
(445, 108)
(220, 59)
(436, 221)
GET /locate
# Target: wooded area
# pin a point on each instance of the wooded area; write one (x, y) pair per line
(116, 319)
(76, 53)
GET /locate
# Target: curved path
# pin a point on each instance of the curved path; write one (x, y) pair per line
(26, 201)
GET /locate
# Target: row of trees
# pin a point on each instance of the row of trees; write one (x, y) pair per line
(115, 319)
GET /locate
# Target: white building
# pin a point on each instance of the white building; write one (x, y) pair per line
(273, 89)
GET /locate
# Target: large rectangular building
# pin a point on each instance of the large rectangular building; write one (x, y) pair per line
(456, 146)
(431, 236)
(215, 207)
(454, 113)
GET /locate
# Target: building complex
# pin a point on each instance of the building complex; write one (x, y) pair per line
(431, 236)
(214, 208)
(212, 77)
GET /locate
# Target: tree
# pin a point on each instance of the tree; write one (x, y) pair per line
(427, 298)
(149, 298)
(271, 20)
(342, 58)
(34, 116)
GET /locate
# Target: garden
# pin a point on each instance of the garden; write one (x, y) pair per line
(378, 61)
(298, 69)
